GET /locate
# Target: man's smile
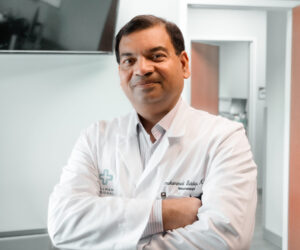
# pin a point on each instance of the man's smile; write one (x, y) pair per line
(145, 83)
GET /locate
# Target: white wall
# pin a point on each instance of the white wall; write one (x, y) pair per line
(275, 121)
(168, 9)
(45, 101)
(237, 24)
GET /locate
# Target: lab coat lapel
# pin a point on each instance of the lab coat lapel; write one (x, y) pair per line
(128, 150)
(154, 160)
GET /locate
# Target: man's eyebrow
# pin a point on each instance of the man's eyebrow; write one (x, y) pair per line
(158, 48)
(152, 50)
(126, 54)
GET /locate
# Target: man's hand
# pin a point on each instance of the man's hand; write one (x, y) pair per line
(179, 212)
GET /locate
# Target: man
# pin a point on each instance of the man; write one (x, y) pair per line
(166, 176)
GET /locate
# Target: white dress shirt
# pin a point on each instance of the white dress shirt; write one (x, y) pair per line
(147, 147)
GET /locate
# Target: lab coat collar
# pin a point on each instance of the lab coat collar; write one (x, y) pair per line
(178, 126)
(131, 129)
(128, 147)
(176, 130)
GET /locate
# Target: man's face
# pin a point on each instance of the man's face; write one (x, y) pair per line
(151, 73)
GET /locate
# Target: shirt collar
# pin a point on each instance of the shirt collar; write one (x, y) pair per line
(165, 123)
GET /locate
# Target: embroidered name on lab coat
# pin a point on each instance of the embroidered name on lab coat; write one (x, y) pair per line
(185, 185)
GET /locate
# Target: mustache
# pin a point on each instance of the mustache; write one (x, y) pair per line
(144, 80)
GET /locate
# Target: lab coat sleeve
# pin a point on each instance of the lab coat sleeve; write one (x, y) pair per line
(78, 218)
(227, 216)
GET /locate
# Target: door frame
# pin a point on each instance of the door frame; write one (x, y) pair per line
(252, 75)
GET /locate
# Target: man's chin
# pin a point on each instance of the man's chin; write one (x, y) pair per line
(150, 100)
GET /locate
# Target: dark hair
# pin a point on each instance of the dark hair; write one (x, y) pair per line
(142, 22)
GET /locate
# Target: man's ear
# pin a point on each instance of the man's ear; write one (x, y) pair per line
(184, 59)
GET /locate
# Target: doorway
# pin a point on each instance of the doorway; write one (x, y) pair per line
(220, 79)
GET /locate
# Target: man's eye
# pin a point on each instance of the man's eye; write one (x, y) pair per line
(158, 57)
(128, 61)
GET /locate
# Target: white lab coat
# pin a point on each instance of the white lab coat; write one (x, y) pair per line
(104, 197)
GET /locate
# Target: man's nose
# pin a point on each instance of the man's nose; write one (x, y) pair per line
(143, 67)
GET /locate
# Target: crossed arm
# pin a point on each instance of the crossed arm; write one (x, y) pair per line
(78, 218)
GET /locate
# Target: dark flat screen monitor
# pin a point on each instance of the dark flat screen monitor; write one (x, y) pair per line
(57, 26)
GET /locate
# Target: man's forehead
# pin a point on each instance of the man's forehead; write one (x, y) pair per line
(154, 28)
(128, 51)
(152, 39)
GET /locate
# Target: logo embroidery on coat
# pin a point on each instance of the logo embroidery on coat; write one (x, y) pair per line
(105, 177)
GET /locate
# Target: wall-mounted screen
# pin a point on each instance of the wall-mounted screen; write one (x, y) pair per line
(62, 26)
